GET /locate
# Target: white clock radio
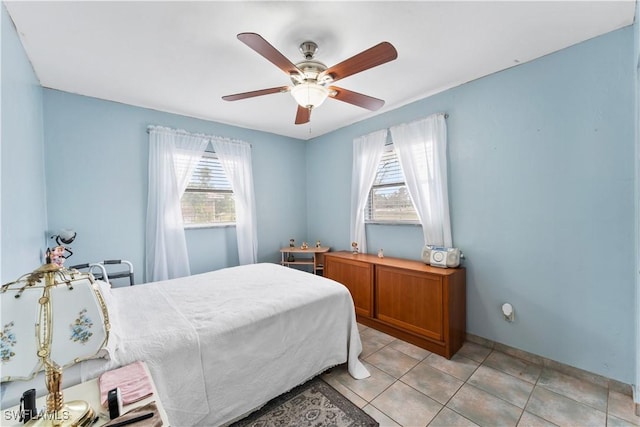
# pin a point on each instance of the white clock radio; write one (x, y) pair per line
(440, 256)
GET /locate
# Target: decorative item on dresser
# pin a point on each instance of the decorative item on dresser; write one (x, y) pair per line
(64, 238)
(412, 301)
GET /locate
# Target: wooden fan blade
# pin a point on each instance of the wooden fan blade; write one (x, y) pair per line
(372, 57)
(270, 53)
(355, 98)
(251, 94)
(303, 115)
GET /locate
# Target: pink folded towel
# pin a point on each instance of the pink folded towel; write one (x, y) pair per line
(133, 380)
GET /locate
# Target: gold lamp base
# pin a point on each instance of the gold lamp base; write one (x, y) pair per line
(76, 413)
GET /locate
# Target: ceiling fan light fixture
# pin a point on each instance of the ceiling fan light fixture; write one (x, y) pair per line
(312, 82)
(309, 95)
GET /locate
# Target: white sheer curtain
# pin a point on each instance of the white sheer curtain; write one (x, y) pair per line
(172, 157)
(235, 157)
(421, 147)
(367, 152)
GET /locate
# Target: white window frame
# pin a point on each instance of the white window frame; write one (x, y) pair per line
(389, 147)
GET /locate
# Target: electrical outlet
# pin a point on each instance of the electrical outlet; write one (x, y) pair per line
(508, 312)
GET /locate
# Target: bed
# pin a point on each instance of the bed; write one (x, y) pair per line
(221, 344)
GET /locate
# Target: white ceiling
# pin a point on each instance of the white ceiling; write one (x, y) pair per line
(182, 57)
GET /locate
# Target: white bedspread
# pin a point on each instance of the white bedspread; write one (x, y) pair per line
(265, 331)
(221, 344)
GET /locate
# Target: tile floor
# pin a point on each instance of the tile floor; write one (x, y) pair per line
(479, 386)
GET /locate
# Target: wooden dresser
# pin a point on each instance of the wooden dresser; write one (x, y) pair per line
(407, 299)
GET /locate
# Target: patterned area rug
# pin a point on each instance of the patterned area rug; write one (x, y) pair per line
(312, 404)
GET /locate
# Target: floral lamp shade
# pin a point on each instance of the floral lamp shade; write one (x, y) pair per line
(80, 327)
(18, 345)
(76, 331)
(52, 318)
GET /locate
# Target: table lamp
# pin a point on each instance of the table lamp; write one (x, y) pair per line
(52, 318)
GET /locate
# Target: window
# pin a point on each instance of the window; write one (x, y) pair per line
(208, 198)
(389, 199)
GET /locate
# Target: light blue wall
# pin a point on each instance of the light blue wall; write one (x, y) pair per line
(97, 153)
(24, 219)
(541, 183)
(636, 57)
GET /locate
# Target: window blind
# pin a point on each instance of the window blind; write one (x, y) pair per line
(208, 198)
(389, 200)
(209, 175)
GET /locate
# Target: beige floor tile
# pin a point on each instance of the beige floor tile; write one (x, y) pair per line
(474, 351)
(367, 388)
(622, 406)
(519, 368)
(433, 382)
(369, 347)
(498, 386)
(378, 335)
(502, 385)
(618, 422)
(392, 361)
(362, 328)
(529, 420)
(449, 418)
(562, 410)
(380, 416)
(458, 366)
(410, 349)
(407, 406)
(483, 408)
(581, 390)
(373, 341)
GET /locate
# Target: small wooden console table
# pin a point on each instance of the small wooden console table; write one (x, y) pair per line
(317, 259)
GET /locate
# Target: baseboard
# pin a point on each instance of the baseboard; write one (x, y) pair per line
(597, 379)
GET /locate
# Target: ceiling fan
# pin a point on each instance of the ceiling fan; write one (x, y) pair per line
(312, 80)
